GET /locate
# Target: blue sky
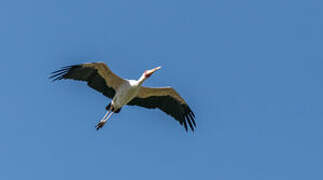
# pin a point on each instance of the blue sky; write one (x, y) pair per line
(250, 70)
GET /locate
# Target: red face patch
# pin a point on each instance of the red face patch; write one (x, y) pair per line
(147, 75)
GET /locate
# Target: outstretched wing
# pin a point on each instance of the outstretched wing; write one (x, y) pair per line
(97, 75)
(167, 100)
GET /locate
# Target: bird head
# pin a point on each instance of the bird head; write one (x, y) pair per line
(148, 73)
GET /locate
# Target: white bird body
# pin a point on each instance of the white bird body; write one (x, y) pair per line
(126, 92)
(129, 92)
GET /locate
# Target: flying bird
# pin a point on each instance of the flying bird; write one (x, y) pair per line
(128, 92)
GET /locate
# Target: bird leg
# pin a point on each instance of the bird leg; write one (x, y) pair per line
(104, 119)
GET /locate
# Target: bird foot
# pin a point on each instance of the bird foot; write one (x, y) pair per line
(100, 125)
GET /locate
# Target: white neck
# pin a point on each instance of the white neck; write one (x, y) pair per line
(142, 79)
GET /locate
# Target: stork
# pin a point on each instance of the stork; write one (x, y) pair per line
(128, 92)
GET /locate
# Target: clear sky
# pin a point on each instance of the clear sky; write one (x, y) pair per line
(250, 70)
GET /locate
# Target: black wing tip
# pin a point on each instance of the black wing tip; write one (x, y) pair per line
(60, 73)
(189, 118)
